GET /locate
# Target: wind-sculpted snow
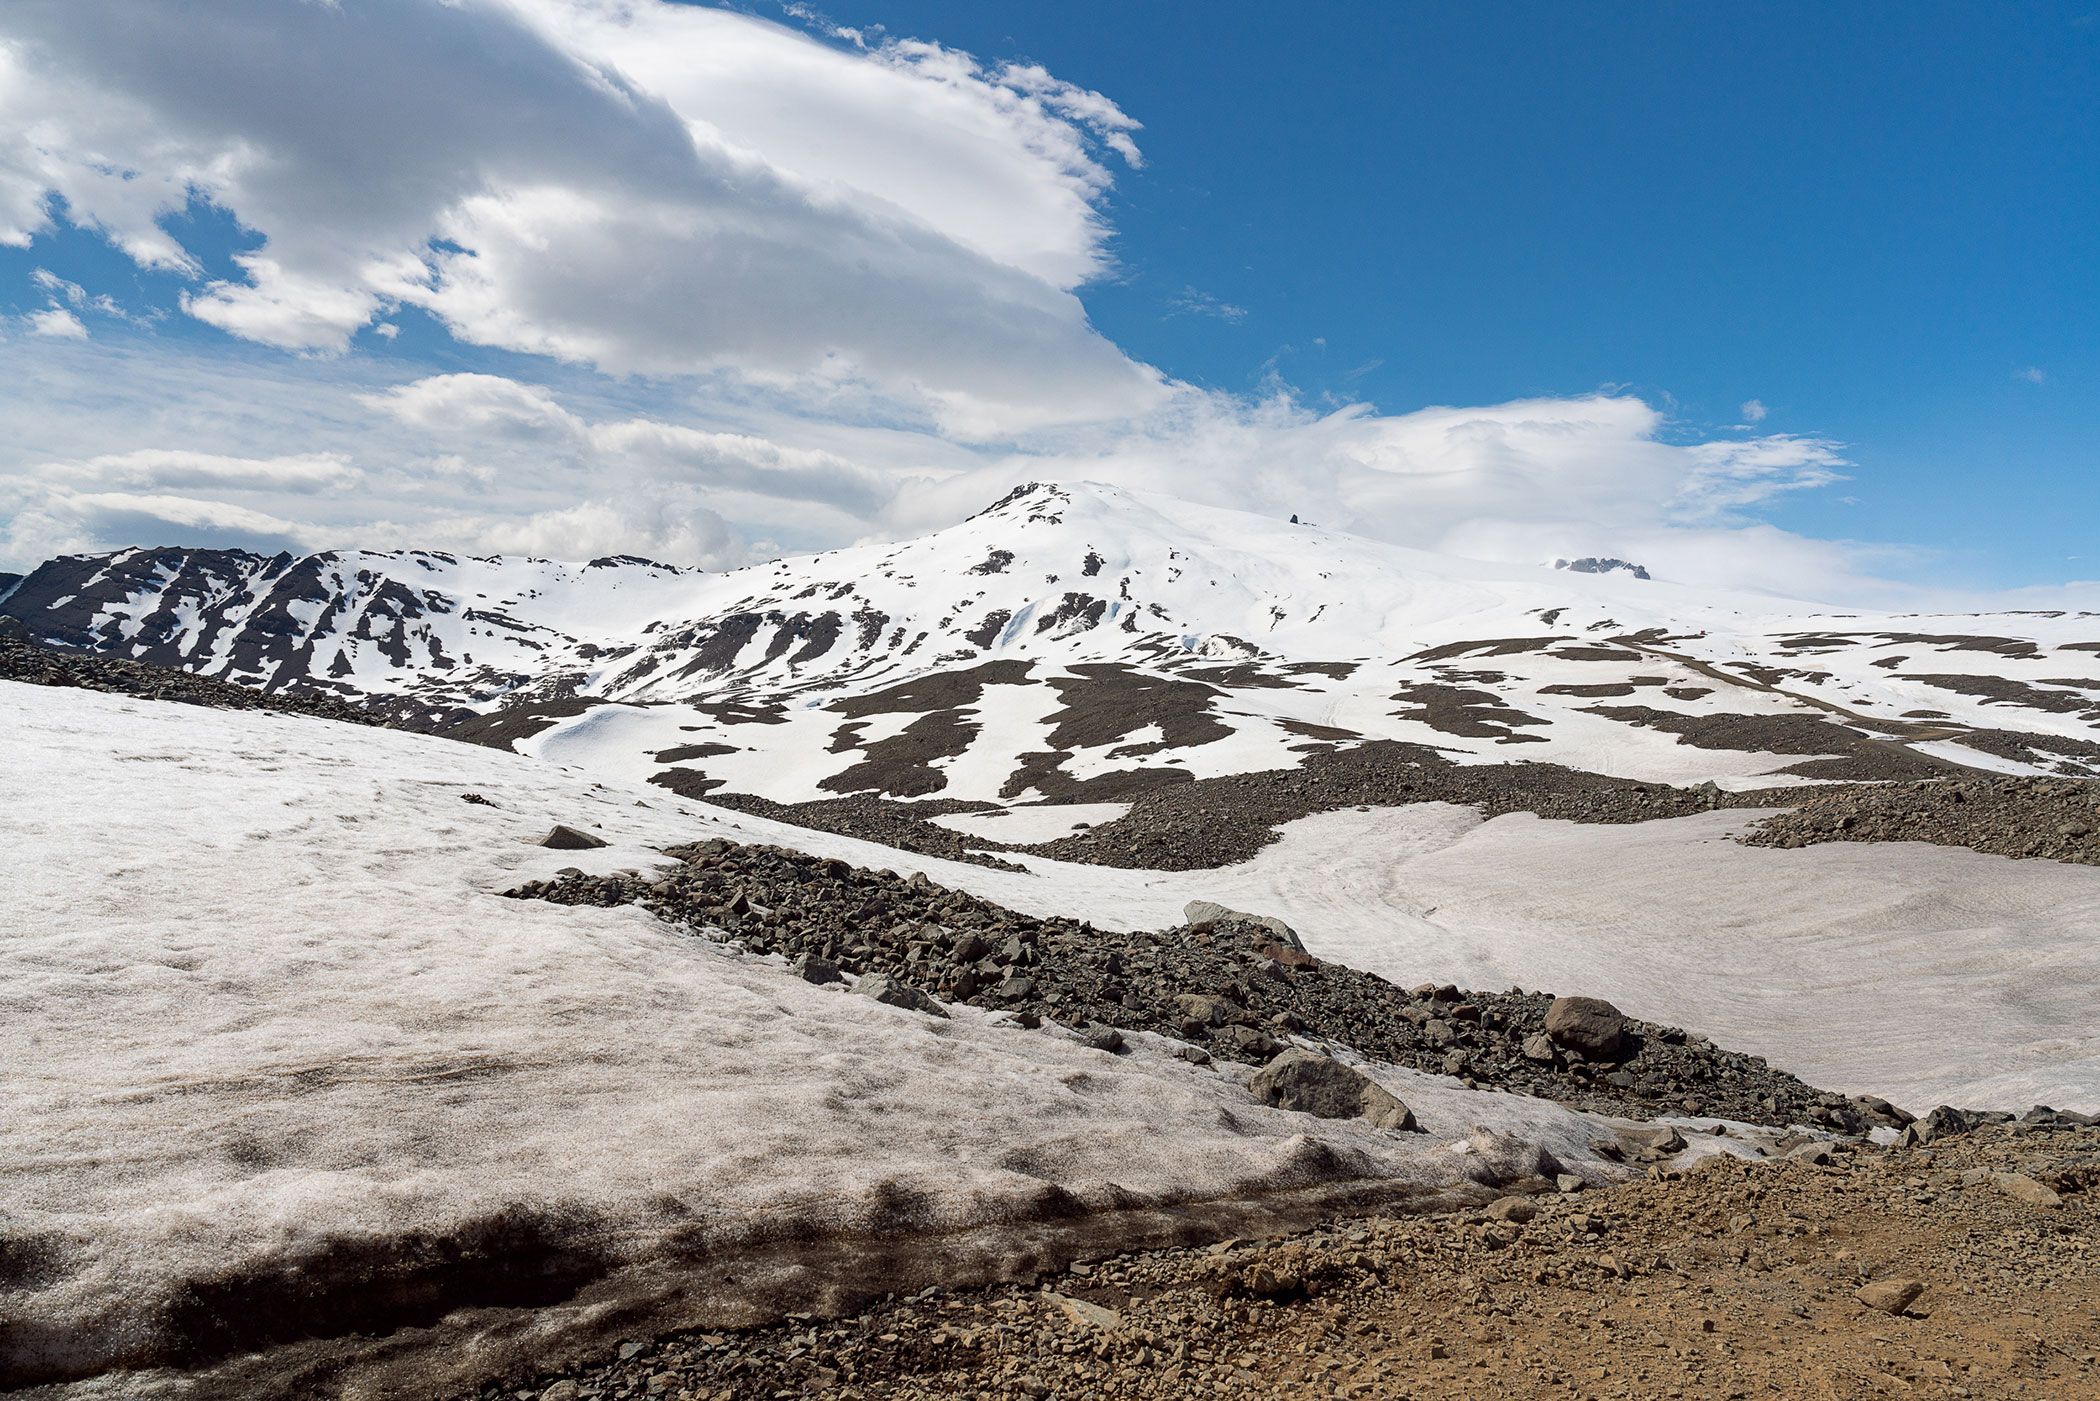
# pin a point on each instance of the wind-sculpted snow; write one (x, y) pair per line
(284, 1067)
(1083, 643)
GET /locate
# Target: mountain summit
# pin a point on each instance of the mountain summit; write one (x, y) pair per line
(1081, 642)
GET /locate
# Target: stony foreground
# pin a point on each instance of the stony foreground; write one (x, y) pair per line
(1968, 1268)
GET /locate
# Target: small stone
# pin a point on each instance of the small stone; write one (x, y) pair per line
(1567, 1182)
(565, 838)
(1087, 1314)
(1516, 1209)
(1539, 1047)
(1890, 1296)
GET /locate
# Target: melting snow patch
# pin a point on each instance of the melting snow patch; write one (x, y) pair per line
(284, 1064)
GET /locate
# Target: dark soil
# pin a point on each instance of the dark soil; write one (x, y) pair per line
(902, 826)
(1197, 824)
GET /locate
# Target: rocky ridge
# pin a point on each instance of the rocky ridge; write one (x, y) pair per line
(1229, 987)
(46, 666)
(2055, 819)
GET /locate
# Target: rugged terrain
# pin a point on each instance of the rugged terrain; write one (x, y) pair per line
(1125, 680)
(1230, 985)
(1106, 910)
(1964, 1269)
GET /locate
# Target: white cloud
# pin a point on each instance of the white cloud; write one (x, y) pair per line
(480, 406)
(638, 186)
(62, 521)
(481, 462)
(788, 295)
(56, 321)
(1517, 482)
(163, 469)
(2033, 374)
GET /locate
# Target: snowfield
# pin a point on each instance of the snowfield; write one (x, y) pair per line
(1109, 635)
(279, 1053)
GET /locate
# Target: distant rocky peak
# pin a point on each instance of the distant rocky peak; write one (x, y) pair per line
(1597, 564)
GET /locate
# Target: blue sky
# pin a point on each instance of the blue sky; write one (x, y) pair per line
(1874, 219)
(1227, 250)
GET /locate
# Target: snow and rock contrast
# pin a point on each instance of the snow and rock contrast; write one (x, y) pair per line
(1102, 873)
(285, 1066)
(1081, 646)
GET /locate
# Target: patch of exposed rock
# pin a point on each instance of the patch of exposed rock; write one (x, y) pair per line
(2056, 819)
(1230, 988)
(25, 661)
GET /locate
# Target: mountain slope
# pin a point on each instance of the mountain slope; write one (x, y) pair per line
(1084, 645)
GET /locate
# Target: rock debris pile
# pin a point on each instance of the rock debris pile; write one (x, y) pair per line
(1229, 985)
(45, 666)
(2056, 819)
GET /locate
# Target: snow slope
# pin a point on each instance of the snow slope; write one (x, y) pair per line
(272, 1035)
(1079, 633)
(1924, 974)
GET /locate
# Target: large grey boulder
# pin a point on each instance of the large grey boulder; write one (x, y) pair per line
(1589, 1025)
(1204, 914)
(1326, 1089)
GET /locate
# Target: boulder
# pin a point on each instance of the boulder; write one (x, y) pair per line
(565, 838)
(1102, 1038)
(1283, 955)
(891, 993)
(1890, 1296)
(1326, 1089)
(1249, 1041)
(1656, 1138)
(1589, 1025)
(1204, 914)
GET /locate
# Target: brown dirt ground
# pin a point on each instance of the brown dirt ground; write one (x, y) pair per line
(1730, 1281)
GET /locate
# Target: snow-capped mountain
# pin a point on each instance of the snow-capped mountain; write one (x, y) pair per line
(1081, 643)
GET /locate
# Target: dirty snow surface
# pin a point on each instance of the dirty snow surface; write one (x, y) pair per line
(283, 1065)
(1925, 974)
